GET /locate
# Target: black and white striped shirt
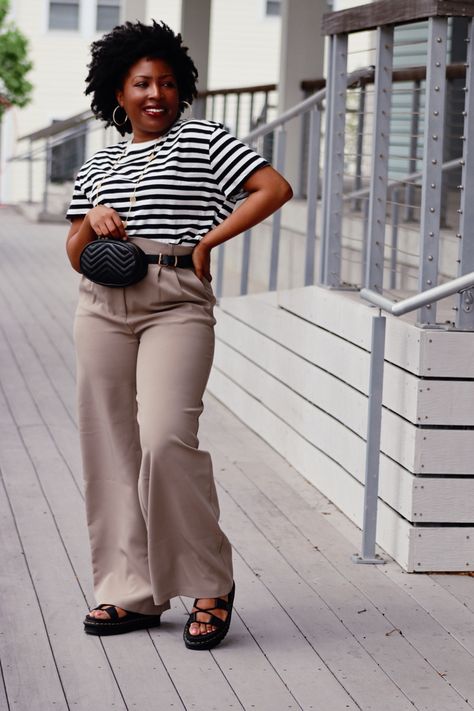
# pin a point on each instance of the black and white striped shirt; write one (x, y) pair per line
(190, 186)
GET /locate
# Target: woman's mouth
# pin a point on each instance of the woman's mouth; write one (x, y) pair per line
(154, 111)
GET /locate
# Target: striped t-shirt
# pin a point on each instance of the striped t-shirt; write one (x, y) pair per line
(191, 185)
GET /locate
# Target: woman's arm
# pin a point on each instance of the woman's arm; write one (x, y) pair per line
(268, 191)
(100, 221)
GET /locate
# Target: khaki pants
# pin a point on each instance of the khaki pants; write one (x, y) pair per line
(144, 354)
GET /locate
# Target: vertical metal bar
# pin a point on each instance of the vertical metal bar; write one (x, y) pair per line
(372, 459)
(335, 167)
(244, 274)
(394, 245)
(252, 98)
(380, 153)
(224, 110)
(47, 175)
(276, 223)
(30, 172)
(265, 108)
(312, 193)
(412, 160)
(365, 230)
(212, 107)
(432, 161)
(237, 114)
(465, 310)
(220, 271)
(360, 144)
(327, 157)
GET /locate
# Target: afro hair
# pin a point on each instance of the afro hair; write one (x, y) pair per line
(114, 54)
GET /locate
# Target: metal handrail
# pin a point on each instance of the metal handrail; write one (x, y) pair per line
(352, 80)
(411, 303)
(374, 414)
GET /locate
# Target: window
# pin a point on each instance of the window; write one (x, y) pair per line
(108, 14)
(273, 8)
(64, 15)
(67, 157)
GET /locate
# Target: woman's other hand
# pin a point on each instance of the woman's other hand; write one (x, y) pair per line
(202, 261)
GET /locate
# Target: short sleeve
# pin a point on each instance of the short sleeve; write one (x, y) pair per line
(232, 161)
(80, 204)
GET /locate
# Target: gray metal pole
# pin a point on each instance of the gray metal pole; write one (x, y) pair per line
(276, 223)
(312, 193)
(394, 246)
(374, 425)
(244, 274)
(380, 154)
(432, 161)
(465, 312)
(220, 270)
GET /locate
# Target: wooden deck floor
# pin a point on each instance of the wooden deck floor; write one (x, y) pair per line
(311, 629)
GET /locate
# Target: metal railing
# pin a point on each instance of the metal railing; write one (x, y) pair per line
(462, 286)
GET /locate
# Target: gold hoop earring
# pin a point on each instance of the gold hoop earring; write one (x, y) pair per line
(115, 120)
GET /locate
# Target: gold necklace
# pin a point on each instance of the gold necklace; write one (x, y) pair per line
(133, 196)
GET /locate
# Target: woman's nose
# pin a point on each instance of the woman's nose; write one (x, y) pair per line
(154, 91)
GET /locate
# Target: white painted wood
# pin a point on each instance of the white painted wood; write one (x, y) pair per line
(417, 499)
(425, 352)
(431, 402)
(395, 534)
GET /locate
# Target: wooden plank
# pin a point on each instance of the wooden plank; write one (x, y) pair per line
(385, 12)
(431, 353)
(25, 635)
(429, 403)
(416, 450)
(323, 472)
(59, 597)
(380, 585)
(395, 534)
(399, 659)
(364, 679)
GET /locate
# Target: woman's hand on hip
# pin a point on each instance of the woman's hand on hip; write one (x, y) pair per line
(202, 261)
(106, 222)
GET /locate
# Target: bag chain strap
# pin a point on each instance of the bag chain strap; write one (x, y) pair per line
(133, 196)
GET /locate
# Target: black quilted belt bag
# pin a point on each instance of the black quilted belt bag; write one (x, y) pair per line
(119, 263)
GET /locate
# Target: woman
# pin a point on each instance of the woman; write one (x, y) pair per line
(144, 352)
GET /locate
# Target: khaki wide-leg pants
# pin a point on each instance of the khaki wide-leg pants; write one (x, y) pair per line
(144, 354)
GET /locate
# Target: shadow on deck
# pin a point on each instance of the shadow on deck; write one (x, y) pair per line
(311, 629)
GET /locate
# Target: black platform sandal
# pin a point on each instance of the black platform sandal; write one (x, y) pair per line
(209, 639)
(118, 625)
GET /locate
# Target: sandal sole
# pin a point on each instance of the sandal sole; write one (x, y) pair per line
(108, 628)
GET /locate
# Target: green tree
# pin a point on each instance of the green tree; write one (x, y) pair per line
(15, 89)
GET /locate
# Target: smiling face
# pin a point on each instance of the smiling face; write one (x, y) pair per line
(150, 97)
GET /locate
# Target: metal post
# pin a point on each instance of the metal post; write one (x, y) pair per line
(276, 223)
(30, 172)
(432, 161)
(327, 158)
(335, 166)
(47, 174)
(220, 270)
(394, 245)
(244, 274)
(237, 114)
(465, 310)
(360, 145)
(380, 153)
(365, 229)
(252, 98)
(374, 425)
(412, 160)
(312, 193)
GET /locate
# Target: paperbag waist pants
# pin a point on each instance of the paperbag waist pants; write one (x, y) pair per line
(144, 354)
